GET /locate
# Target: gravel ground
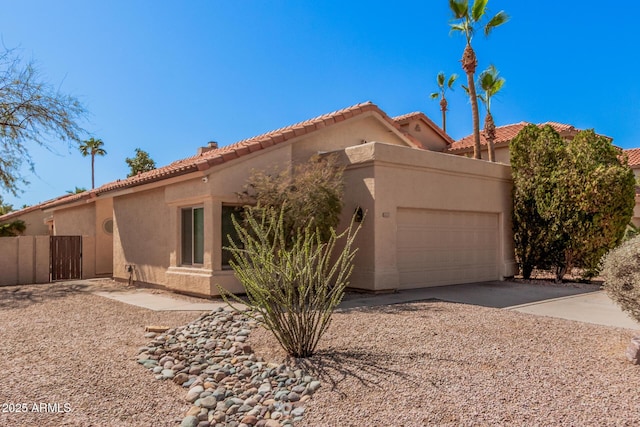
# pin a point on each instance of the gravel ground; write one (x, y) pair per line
(436, 363)
(60, 344)
(429, 363)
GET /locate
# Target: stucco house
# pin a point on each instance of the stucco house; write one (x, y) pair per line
(433, 218)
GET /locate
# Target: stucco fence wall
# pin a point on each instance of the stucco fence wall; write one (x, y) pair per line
(25, 259)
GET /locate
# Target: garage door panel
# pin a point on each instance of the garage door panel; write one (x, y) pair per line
(446, 247)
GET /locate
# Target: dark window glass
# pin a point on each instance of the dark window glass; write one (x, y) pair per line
(229, 231)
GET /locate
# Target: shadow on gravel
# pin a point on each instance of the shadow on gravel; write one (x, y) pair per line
(16, 297)
(400, 308)
(370, 369)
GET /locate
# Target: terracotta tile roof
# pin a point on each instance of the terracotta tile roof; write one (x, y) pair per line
(417, 115)
(504, 134)
(215, 157)
(67, 198)
(221, 155)
(634, 157)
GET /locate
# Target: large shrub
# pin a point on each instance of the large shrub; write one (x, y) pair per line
(572, 200)
(621, 272)
(535, 153)
(292, 284)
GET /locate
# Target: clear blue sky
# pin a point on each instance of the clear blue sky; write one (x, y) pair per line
(169, 76)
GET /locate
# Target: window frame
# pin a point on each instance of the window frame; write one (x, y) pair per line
(196, 236)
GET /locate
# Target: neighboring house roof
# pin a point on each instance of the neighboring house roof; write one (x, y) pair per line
(208, 159)
(417, 115)
(504, 134)
(634, 157)
(67, 198)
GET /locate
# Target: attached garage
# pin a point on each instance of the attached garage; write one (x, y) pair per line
(439, 247)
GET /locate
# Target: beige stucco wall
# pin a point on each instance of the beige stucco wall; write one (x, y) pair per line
(406, 178)
(24, 260)
(77, 220)
(363, 129)
(429, 138)
(141, 227)
(103, 239)
(502, 154)
(147, 225)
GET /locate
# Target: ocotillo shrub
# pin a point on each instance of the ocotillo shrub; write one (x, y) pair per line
(292, 285)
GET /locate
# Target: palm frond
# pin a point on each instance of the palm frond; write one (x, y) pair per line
(499, 19)
(440, 79)
(497, 85)
(460, 8)
(478, 9)
(452, 80)
(435, 95)
(458, 27)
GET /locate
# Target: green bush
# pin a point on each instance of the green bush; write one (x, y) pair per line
(292, 284)
(621, 272)
(572, 200)
(14, 228)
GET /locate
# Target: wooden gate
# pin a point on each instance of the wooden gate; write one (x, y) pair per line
(66, 257)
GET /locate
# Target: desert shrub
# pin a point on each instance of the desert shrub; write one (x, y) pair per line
(293, 284)
(621, 272)
(309, 191)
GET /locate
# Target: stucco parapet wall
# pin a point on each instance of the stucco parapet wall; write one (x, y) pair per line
(383, 153)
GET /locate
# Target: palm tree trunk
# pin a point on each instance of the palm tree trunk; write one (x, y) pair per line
(490, 135)
(443, 107)
(469, 63)
(93, 181)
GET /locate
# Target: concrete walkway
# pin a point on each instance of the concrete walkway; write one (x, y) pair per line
(583, 304)
(158, 302)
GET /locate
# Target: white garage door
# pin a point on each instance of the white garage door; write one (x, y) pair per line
(446, 247)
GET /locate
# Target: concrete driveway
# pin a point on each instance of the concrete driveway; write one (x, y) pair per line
(583, 304)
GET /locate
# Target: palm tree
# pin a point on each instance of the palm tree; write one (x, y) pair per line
(94, 148)
(77, 190)
(467, 21)
(491, 83)
(443, 84)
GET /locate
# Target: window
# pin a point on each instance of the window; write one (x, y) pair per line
(107, 226)
(229, 232)
(192, 236)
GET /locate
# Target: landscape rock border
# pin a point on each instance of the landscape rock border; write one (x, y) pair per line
(227, 384)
